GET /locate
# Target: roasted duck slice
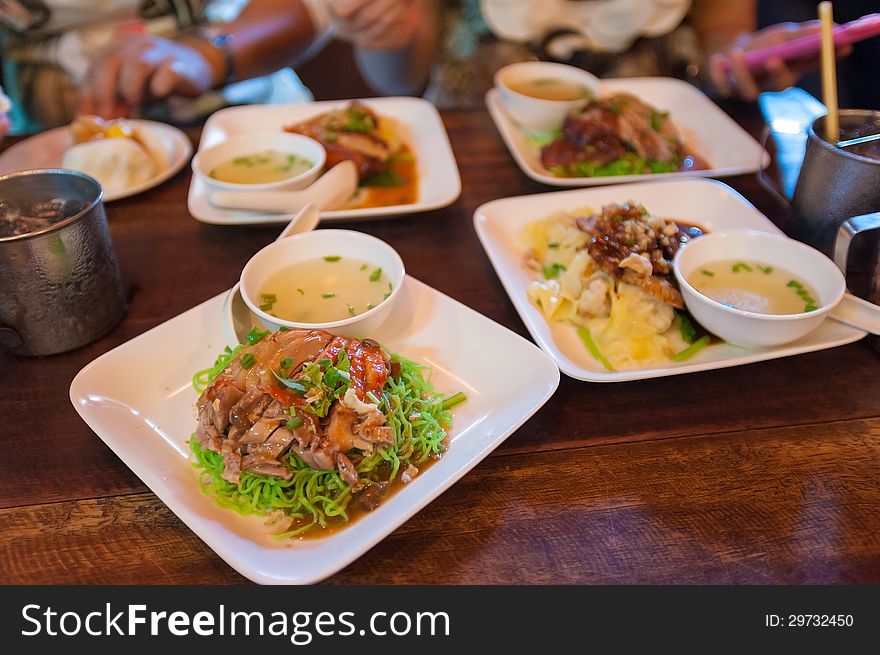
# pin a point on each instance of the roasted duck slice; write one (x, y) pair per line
(350, 133)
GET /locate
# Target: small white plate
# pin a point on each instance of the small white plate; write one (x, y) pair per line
(707, 203)
(46, 149)
(711, 133)
(439, 181)
(147, 419)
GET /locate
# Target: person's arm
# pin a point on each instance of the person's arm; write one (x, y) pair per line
(395, 41)
(266, 36)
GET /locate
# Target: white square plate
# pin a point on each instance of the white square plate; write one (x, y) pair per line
(439, 181)
(707, 203)
(712, 134)
(138, 398)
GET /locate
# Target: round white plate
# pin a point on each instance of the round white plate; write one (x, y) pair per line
(45, 150)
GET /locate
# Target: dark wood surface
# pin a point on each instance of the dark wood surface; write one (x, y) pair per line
(765, 473)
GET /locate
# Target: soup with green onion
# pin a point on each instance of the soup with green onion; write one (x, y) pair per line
(323, 290)
(754, 287)
(261, 168)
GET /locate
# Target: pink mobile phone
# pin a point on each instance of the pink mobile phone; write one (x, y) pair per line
(806, 46)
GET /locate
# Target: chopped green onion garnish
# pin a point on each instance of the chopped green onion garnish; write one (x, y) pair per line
(364, 267)
(328, 294)
(256, 335)
(301, 292)
(375, 275)
(794, 284)
(766, 270)
(553, 245)
(371, 305)
(332, 258)
(267, 301)
(350, 310)
(552, 271)
(688, 333)
(247, 360)
(454, 400)
(810, 308)
(587, 338)
(286, 362)
(294, 423)
(692, 349)
(742, 266)
(708, 273)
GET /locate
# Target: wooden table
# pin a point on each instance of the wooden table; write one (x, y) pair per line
(765, 473)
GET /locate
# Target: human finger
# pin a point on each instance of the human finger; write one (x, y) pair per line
(742, 76)
(133, 78)
(718, 75)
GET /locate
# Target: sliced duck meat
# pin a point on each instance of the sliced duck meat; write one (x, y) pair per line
(349, 134)
(265, 466)
(340, 428)
(372, 430)
(226, 397)
(260, 430)
(319, 455)
(612, 126)
(249, 408)
(254, 420)
(347, 470)
(206, 432)
(275, 444)
(232, 464)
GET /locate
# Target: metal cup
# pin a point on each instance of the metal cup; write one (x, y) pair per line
(60, 286)
(836, 203)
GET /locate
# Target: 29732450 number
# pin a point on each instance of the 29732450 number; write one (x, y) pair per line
(809, 621)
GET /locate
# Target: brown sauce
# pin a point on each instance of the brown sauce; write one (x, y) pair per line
(356, 509)
(404, 165)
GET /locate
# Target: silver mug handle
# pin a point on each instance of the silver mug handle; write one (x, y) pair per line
(847, 232)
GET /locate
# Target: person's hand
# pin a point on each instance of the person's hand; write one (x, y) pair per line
(775, 74)
(376, 24)
(142, 69)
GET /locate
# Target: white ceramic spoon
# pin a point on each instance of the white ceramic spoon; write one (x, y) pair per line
(328, 192)
(239, 319)
(857, 313)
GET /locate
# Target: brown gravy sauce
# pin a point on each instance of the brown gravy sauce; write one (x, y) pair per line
(356, 509)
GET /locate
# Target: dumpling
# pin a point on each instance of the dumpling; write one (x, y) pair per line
(117, 164)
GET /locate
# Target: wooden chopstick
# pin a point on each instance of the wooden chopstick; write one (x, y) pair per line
(829, 72)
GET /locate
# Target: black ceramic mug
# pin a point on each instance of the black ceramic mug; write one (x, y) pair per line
(836, 203)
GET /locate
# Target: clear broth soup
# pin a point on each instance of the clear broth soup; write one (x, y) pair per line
(754, 287)
(261, 168)
(550, 88)
(324, 289)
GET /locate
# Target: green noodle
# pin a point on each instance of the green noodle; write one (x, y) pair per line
(310, 498)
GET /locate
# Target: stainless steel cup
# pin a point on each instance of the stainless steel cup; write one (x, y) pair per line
(836, 203)
(60, 286)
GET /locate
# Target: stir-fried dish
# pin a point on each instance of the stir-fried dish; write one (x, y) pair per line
(385, 163)
(309, 429)
(610, 274)
(618, 135)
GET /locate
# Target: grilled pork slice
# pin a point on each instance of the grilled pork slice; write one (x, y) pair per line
(245, 414)
(350, 133)
(627, 243)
